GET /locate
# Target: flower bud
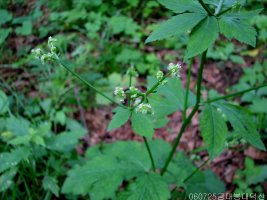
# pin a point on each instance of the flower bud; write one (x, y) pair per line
(119, 92)
(160, 75)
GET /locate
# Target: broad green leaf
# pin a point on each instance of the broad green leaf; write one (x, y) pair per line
(202, 37)
(169, 98)
(146, 187)
(213, 130)
(4, 103)
(204, 182)
(25, 29)
(11, 159)
(50, 184)
(180, 6)
(142, 125)
(234, 27)
(259, 105)
(18, 126)
(65, 141)
(175, 26)
(4, 34)
(120, 118)
(6, 179)
(99, 177)
(242, 123)
(5, 16)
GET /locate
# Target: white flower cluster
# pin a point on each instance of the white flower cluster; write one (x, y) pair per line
(119, 92)
(174, 69)
(46, 56)
(144, 108)
(133, 91)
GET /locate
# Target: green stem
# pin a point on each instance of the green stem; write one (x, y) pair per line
(196, 170)
(218, 9)
(191, 115)
(235, 94)
(205, 7)
(187, 88)
(150, 154)
(90, 85)
(157, 84)
(224, 11)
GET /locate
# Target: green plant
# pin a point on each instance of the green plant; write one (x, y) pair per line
(121, 170)
(248, 180)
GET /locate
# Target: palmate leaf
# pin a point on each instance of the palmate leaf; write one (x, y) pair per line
(146, 187)
(213, 129)
(175, 26)
(180, 6)
(242, 123)
(109, 165)
(233, 27)
(120, 118)
(202, 37)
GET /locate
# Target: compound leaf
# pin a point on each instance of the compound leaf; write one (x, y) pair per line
(202, 37)
(213, 130)
(234, 27)
(242, 124)
(175, 26)
(180, 6)
(146, 187)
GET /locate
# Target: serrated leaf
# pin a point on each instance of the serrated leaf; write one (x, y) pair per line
(146, 187)
(175, 26)
(169, 98)
(180, 6)
(142, 125)
(120, 118)
(13, 158)
(6, 179)
(234, 27)
(202, 37)
(213, 130)
(18, 126)
(65, 141)
(242, 123)
(50, 184)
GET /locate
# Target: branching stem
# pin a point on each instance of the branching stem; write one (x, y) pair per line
(205, 7)
(191, 115)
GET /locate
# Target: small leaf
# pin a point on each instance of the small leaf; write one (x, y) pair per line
(202, 37)
(25, 29)
(180, 6)
(120, 118)
(146, 187)
(5, 16)
(213, 129)
(142, 125)
(175, 26)
(234, 27)
(242, 123)
(50, 184)
(13, 158)
(6, 179)
(18, 126)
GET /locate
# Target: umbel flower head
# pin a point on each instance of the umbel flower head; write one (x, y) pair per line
(38, 53)
(119, 92)
(144, 108)
(174, 69)
(133, 91)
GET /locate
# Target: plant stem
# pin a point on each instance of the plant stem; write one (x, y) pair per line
(90, 85)
(224, 11)
(218, 9)
(196, 170)
(150, 154)
(205, 7)
(191, 115)
(187, 88)
(157, 84)
(235, 94)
